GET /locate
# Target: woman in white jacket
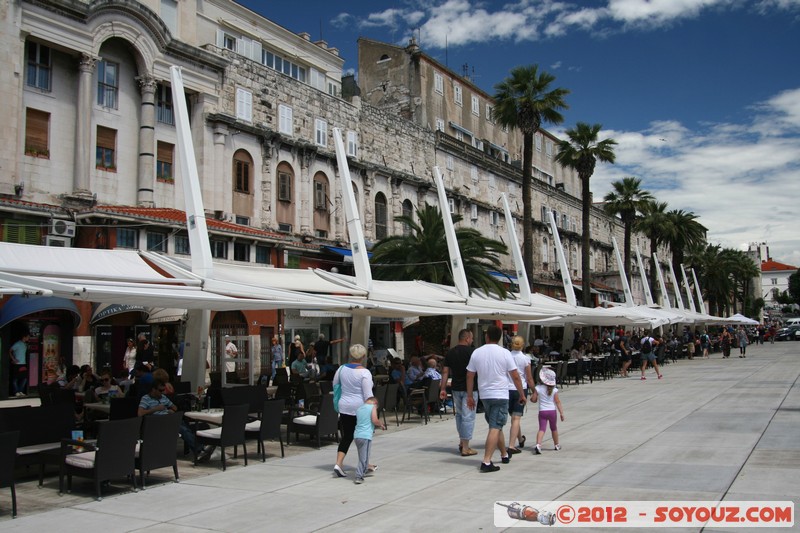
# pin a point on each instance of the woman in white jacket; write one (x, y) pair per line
(356, 386)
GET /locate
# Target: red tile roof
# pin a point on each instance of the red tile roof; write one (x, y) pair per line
(774, 266)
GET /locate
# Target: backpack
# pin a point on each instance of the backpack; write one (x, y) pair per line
(647, 346)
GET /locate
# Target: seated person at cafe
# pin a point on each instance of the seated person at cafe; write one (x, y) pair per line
(299, 367)
(414, 372)
(87, 381)
(107, 388)
(156, 403)
(142, 381)
(431, 372)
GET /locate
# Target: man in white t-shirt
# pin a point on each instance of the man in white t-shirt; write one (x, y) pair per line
(494, 366)
(231, 352)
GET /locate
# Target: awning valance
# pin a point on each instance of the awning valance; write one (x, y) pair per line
(102, 311)
(19, 306)
(462, 129)
(164, 315)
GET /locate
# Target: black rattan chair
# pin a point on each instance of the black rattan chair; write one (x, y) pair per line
(8, 452)
(268, 427)
(158, 446)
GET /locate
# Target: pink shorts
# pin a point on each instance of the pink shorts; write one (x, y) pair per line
(544, 418)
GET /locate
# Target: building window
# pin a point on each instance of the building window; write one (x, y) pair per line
(457, 94)
(276, 62)
(39, 66)
(156, 241)
(229, 42)
(106, 148)
(565, 221)
(544, 215)
(284, 187)
(127, 238)
(476, 106)
(490, 113)
(37, 133)
(242, 168)
(449, 163)
(164, 155)
(320, 234)
(380, 216)
(242, 221)
(241, 252)
(408, 211)
(169, 14)
(439, 124)
(460, 135)
(774, 281)
(352, 144)
(321, 132)
(108, 84)
(320, 195)
(548, 148)
(545, 251)
(438, 83)
(219, 249)
(182, 245)
(285, 119)
(451, 205)
(262, 254)
(244, 105)
(164, 112)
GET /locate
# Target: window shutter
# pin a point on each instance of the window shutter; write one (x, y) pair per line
(244, 105)
(37, 127)
(106, 138)
(164, 152)
(255, 52)
(220, 39)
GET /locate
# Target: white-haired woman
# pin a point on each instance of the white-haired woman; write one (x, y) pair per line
(356, 386)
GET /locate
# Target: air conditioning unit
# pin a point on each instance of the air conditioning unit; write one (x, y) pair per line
(55, 240)
(62, 228)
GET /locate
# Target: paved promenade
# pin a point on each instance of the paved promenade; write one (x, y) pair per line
(710, 430)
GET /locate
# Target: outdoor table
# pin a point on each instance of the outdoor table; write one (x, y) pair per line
(100, 407)
(210, 416)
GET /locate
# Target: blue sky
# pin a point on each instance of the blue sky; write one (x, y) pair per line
(703, 96)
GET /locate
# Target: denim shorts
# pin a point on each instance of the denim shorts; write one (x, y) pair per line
(496, 412)
(514, 407)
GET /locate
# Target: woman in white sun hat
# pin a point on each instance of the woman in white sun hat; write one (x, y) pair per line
(547, 395)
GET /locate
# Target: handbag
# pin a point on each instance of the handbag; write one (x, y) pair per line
(337, 394)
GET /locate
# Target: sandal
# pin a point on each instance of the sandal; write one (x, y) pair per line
(512, 451)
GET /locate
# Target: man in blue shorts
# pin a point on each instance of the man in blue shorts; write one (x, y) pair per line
(494, 366)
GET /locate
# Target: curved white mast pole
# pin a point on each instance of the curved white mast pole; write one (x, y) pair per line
(625, 287)
(677, 287)
(666, 303)
(513, 244)
(700, 301)
(688, 290)
(456, 263)
(562, 262)
(647, 294)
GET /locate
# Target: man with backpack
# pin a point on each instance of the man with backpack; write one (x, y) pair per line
(647, 351)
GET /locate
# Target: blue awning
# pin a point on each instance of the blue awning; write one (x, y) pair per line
(21, 306)
(503, 277)
(344, 252)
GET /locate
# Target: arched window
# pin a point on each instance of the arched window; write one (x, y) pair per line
(322, 205)
(380, 216)
(242, 172)
(408, 211)
(284, 205)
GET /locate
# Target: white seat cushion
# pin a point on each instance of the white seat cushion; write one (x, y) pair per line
(36, 448)
(213, 433)
(255, 425)
(307, 420)
(81, 460)
(138, 447)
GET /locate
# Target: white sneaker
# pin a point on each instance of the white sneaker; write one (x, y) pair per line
(557, 447)
(538, 449)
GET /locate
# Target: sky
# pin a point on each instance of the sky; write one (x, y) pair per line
(702, 96)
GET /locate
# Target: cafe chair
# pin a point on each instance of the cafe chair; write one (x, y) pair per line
(112, 456)
(231, 433)
(8, 452)
(121, 408)
(157, 446)
(268, 427)
(324, 422)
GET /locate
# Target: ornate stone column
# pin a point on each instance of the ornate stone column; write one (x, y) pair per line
(83, 132)
(147, 132)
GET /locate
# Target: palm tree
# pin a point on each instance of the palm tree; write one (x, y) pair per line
(523, 101)
(581, 152)
(422, 254)
(627, 200)
(743, 270)
(685, 232)
(655, 225)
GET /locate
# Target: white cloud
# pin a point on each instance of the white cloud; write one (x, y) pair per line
(742, 180)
